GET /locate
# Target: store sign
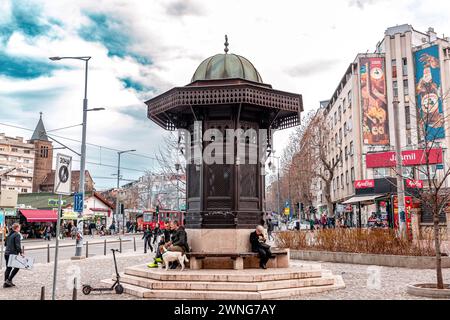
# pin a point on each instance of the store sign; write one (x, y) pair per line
(364, 184)
(414, 183)
(54, 202)
(409, 158)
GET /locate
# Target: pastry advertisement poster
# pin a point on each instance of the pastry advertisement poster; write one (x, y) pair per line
(373, 101)
(428, 92)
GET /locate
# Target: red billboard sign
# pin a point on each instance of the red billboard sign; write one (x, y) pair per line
(364, 184)
(409, 158)
(414, 183)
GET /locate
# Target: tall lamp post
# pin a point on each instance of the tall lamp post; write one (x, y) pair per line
(177, 167)
(119, 153)
(278, 181)
(83, 143)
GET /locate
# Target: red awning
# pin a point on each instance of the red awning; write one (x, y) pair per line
(40, 215)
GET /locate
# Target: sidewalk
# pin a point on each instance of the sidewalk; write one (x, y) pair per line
(35, 244)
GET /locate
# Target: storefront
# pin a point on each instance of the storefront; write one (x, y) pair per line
(34, 222)
(373, 201)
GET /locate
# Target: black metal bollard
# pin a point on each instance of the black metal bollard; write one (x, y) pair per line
(120, 242)
(48, 253)
(23, 249)
(87, 249)
(74, 292)
(42, 293)
(104, 248)
(134, 243)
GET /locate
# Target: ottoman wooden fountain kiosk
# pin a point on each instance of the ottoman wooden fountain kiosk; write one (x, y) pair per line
(225, 186)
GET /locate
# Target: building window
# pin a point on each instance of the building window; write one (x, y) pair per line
(423, 172)
(345, 129)
(343, 105)
(346, 152)
(407, 116)
(351, 148)
(395, 88)
(335, 117)
(349, 98)
(404, 66)
(26, 151)
(340, 134)
(24, 190)
(394, 68)
(14, 150)
(352, 174)
(340, 113)
(342, 181)
(405, 87)
(379, 173)
(346, 177)
(408, 172)
(44, 152)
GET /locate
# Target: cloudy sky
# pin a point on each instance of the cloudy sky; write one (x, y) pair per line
(140, 49)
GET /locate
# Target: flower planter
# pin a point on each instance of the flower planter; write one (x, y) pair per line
(429, 290)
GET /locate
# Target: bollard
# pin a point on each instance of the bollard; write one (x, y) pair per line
(48, 253)
(104, 248)
(23, 249)
(42, 293)
(74, 292)
(120, 242)
(134, 242)
(87, 249)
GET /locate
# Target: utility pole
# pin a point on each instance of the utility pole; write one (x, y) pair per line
(119, 153)
(399, 175)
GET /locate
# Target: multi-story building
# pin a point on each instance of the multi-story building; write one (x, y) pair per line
(16, 164)
(407, 70)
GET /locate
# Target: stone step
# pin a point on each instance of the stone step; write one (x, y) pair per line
(225, 286)
(225, 295)
(218, 275)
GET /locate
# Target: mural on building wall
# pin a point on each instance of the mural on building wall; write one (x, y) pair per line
(373, 101)
(428, 92)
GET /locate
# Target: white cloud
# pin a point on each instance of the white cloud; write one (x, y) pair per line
(303, 47)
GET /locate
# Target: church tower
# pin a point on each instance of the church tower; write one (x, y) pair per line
(43, 154)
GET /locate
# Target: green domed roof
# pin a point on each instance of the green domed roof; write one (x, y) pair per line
(226, 66)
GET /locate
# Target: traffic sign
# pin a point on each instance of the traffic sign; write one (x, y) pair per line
(78, 202)
(63, 174)
(440, 166)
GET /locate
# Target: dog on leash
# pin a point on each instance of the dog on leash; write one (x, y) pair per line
(171, 256)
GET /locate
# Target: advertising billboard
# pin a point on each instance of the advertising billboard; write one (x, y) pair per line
(428, 92)
(373, 101)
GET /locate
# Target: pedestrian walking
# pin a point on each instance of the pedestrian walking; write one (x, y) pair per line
(112, 228)
(156, 232)
(270, 228)
(92, 227)
(147, 239)
(13, 246)
(48, 233)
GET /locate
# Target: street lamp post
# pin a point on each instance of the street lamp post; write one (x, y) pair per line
(177, 167)
(119, 153)
(81, 188)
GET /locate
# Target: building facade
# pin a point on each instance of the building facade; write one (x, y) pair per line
(16, 164)
(408, 69)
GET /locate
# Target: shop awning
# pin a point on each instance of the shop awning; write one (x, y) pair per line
(40, 215)
(367, 198)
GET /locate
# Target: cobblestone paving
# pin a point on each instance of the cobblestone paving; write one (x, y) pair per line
(393, 281)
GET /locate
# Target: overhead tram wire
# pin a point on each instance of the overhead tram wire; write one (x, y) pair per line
(78, 141)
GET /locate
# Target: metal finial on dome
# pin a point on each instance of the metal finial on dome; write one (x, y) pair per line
(226, 44)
